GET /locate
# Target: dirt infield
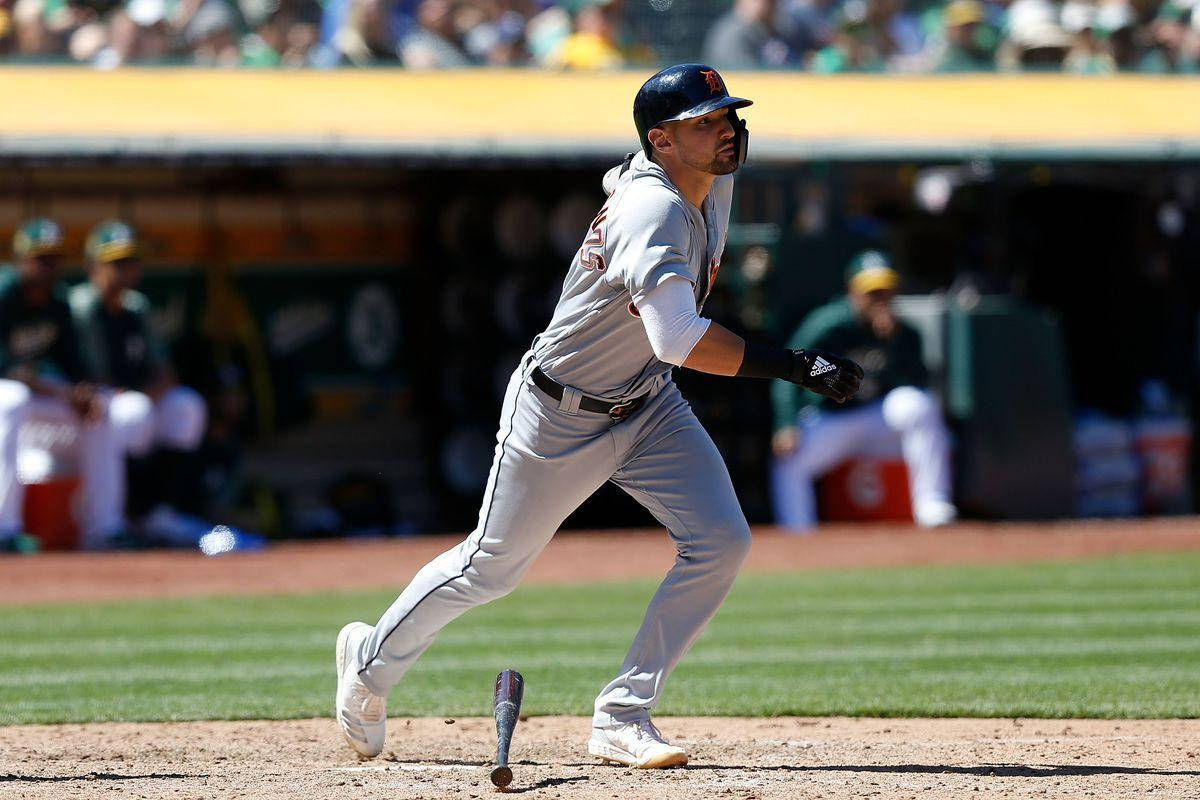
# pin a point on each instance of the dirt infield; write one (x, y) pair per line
(748, 759)
(571, 557)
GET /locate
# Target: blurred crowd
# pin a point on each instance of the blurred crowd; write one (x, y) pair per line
(822, 36)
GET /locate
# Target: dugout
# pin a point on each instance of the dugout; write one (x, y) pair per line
(349, 263)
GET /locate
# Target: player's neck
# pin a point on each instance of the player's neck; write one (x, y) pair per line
(691, 183)
(110, 301)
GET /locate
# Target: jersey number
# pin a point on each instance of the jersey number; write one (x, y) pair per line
(591, 255)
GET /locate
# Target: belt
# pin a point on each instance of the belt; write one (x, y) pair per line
(617, 411)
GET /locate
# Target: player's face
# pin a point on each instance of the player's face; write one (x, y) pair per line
(707, 143)
(114, 277)
(130, 272)
(41, 270)
(875, 308)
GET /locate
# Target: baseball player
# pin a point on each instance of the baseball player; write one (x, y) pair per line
(812, 435)
(593, 401)
(42, 379)
(120, 350)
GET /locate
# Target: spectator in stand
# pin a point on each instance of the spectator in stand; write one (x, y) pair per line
(66, 18)
(965, 45)
(745, 38)
(498, 40)
(8, 35)
(1164, 39)
(1116, 24)
(212, 35)
(42, 379)
(433, 43)
(368, 35)
(161, 423)
(804, 25)
(545, 32)
(593, 44)
(1191, 41)
(813, 435)
(900, 30)
(34, 40)
(137, 34)
(285, 32)
(855, 47)
(1089, 53)
(1035, 42)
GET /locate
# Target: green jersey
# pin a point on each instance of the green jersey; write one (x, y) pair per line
(117, 349)
(887, 363)
(42, 338)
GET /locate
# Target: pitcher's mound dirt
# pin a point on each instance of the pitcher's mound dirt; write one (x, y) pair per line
(765, 759)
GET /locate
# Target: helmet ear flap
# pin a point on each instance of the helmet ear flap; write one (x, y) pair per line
(741, 136)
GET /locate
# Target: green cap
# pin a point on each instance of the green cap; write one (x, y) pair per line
(39, 236)
(111, 240)
(869, 271)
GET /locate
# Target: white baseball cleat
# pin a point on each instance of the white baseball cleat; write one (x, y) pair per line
(362, 716)
(935, 514)
(636, 744)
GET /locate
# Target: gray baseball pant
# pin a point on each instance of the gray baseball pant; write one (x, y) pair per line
(549, 459)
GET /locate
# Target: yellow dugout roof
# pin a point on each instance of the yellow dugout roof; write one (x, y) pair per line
(530, 113)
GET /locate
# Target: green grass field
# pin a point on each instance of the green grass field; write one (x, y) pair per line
(1116, 637)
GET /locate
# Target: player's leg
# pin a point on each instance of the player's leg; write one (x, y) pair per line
(676, 472)
(102, 482)
(914, 414)
(823, 442)
(171, 503)
(14, 408)
(131, 415)
(180, 418)
(547, 463)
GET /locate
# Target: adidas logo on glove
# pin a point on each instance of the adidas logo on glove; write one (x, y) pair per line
(820, 367)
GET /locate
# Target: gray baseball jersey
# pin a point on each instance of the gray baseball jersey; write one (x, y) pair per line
(646, 232)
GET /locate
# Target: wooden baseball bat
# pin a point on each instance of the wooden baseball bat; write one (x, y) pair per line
(506, 706)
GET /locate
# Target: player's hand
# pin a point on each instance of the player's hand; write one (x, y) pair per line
(785, 441)
(826, 374)
(87, 402)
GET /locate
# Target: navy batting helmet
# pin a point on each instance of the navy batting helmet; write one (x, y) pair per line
(685, 91)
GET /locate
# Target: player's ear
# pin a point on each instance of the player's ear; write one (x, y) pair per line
(660, 140)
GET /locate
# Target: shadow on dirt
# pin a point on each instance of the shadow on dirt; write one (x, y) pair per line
(984, 770)
(93, 776)
(445, 762)
(546, 784)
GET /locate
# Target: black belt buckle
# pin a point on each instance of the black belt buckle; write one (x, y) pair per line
(622, 410)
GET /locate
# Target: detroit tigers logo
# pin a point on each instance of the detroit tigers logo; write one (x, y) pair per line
(713, 80)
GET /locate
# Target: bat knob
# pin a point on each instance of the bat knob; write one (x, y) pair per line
(501, 776)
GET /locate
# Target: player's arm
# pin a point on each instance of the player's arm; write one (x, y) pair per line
(161, 376)
(718, 352)
(787, 399)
